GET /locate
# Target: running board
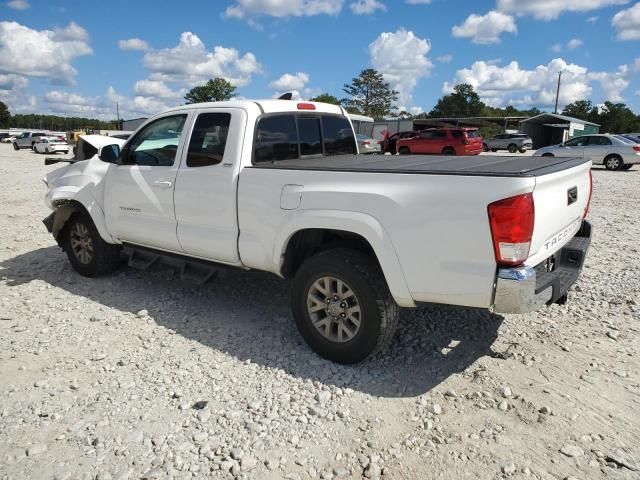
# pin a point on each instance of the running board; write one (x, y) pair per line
(191, 269)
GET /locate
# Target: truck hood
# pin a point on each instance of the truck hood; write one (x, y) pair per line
(78, 174)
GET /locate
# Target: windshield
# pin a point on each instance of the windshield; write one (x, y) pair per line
(625, 139)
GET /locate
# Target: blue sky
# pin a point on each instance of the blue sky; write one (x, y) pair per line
(79, 58)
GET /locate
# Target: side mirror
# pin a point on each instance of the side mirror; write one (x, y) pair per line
(109, 153)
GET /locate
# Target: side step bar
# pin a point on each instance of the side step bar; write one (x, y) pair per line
(192, 269)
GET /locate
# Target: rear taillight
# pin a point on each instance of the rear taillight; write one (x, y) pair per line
(512, 221)
(366, 142)
(637, 148)
(586, 209)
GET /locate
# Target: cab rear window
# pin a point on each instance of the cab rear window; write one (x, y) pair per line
(289, 136)
(473, 134)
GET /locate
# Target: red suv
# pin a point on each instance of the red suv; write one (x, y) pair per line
(442, 141)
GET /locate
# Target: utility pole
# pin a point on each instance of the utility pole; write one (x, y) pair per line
(118, 113)
(558, 91)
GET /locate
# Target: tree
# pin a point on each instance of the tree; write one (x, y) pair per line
(215, 90)
(370, 95)
(463, 102)
(325, 98)
(582, 109)
(5, 116)
(617, 118)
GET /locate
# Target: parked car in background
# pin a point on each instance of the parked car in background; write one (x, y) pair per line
(442, 141)
(367, 145)
(51, 145)
(389, 143)
(634, 137)
(6, 138)
(28, 140)
(513, 142)
(613, 151)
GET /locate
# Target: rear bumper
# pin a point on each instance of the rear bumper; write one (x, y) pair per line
(526, 289)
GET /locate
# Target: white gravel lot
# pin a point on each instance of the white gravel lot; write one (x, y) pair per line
(138, 375)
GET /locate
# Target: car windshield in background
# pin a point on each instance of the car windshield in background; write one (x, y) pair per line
(624, 139)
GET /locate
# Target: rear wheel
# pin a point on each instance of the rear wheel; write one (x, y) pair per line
(627, 167)
(613, 162)
(448, 151)
(88, 253)
(16, 147)
(342, 306)
(404, 151)
(522, 150)
(485, 147)
(494, 149)
(33, 147)
(513, 148)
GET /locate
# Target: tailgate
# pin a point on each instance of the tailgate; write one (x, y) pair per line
(560, 201)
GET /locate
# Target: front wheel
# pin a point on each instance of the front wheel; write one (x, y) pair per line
(627, 166)
(16, 147)
(404, 151)
(613, 163)
(485, 148)
(512, 148)
(342, 306)
(448, 151)
(88, 253)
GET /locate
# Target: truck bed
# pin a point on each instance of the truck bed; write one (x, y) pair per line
(484, 166)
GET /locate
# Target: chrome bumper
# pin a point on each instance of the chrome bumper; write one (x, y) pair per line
(516, 291)
(526, 289)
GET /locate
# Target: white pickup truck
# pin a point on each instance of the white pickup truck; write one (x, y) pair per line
(278, 186)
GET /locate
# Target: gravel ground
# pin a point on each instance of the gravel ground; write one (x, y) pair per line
(138, 375)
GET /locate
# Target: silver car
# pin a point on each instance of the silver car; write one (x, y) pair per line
(613, 151)
(513, 142)
(368, 145)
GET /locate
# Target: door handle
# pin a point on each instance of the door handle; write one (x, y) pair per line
(162, 183)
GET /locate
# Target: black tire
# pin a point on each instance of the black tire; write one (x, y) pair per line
(548, 155)
(33, 147)
(104, 257)
(494, 149)
(378, 311)
(522, 150)
(448, 151)
(404, 151)
(627, 166)
(513, 148)
(613, 162)
(16, 147)
(485, 147)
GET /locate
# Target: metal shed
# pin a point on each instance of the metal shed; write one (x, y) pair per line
(551, 128)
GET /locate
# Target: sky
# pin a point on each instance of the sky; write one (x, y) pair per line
(80, 58)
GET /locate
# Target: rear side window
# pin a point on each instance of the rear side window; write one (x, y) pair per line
(277, 139)
(338, 136)
(208, 139)
(457, 134)
(599, 141)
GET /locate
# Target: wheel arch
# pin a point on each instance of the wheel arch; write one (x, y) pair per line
(65, 207)
(304, 239)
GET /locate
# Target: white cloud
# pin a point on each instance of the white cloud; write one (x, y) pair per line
(133, 44)
(592, 19)
(627, 23)
(612, 83)
(190, 63)
(485, 29)
(10, 82)
(551, 9)
(283, 8)
(574, 43)
(18, 4)
(156, 89)
(367, 7)
(401, 57)
(511, 84)
(447, 58)
(288, 82)
(42, 53)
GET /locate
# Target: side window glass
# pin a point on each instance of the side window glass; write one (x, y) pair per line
(309, 132)
(276, 139)
(577, 142)
(457, 133)
(156, 144)
(338, 136)
(208, 139)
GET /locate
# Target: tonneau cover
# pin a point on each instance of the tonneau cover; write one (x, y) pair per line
(480, 165)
